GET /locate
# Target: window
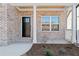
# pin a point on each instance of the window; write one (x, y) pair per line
(54, 23)
(26, 27)
(45, 23)
(50, 23)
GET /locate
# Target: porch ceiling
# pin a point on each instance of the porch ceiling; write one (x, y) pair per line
(41, 4)
(55, 6)
(40, 8)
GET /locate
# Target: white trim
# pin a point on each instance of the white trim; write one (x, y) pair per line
(74, 22)
(34, 24)
(40, 9)
(50, 23)
(65, 11)
(41, 4)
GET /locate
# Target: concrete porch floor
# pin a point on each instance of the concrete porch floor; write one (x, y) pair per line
(16, 49)
(56, 41)
(60, 41)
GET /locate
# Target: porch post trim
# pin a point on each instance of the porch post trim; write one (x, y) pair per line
(34, 24)
(74, 23)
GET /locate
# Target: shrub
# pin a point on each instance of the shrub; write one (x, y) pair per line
(48, 52)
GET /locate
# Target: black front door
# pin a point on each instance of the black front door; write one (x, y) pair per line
(26, 27)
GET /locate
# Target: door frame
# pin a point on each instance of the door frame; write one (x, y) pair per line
(31, 26)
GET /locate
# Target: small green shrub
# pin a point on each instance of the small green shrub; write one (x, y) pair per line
(62, 51)
(48, 52)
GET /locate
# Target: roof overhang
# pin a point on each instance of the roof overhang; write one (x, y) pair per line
(41, 4)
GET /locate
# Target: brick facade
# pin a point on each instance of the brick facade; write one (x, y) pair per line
(11, 22)
(3, 24)
(43, 37)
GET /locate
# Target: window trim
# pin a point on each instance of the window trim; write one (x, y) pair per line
(50, 23)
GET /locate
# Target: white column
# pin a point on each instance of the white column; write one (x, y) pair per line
(34, 24)
(74, 23)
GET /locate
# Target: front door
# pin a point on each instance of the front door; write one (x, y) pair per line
(26, 26)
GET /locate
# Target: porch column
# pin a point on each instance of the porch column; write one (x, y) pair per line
(74, 23)
(34, 24)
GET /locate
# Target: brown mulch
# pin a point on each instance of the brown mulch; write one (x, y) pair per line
(56, 49)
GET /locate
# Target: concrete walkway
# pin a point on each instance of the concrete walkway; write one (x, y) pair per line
(58, 41)
(16, 49)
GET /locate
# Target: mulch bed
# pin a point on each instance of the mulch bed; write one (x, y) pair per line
(56, 49)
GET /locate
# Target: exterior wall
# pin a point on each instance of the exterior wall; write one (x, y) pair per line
(47, 36)
(11, 24)
(13, 33)
(15, 25)
(43, 37)
(3, 24)
(68, 35)
(20, 15)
